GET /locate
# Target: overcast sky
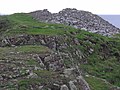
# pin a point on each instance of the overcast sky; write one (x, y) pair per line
(94, 6)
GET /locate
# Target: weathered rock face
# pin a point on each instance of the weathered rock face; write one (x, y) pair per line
(77, 19)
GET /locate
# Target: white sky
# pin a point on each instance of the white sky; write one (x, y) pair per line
(94, 6)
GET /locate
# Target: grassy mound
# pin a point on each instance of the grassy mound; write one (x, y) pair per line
(101, 54)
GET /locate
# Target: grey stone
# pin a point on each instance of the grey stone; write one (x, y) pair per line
(78, 19)
(72, 86)
(83, 83)
(69, 71)
(33, 75)
(64, 87)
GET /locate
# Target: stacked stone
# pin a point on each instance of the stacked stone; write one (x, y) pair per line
(78, 19)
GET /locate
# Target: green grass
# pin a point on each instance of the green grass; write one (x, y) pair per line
(32, 49)
(104, 61)
(97, 84)
(25, 24)
(44, 77)
(32, 62)
(42, 73)
(25, 83)
(24, 49)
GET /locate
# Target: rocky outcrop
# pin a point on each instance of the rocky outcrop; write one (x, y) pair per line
(63, 59)
(78, 19)
(48, 61)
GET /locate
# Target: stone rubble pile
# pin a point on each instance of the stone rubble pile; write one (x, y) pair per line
(78, 19)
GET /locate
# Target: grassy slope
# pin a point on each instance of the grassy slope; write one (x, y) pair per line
(25, 24)
(102, 63)
(97, 83)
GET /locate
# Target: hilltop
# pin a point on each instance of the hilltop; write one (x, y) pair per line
(37, 55)
(78, 19)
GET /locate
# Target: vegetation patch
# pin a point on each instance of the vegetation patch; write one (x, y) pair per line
(32, 49)
(97, 84)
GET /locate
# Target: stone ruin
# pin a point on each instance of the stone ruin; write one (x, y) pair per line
(78, 19)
